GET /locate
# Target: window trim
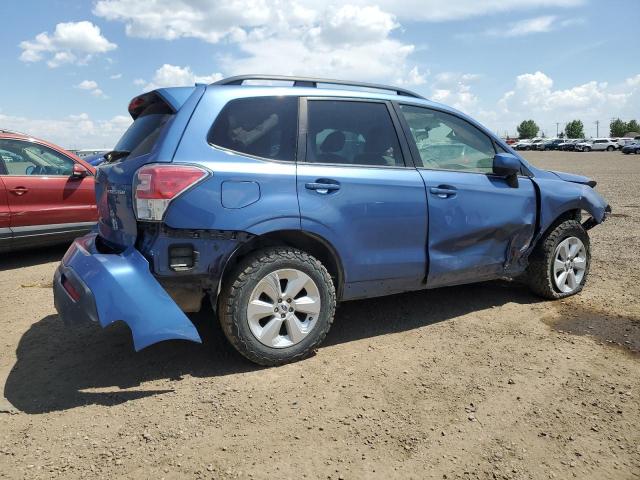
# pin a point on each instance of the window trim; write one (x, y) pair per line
(4, 171)
(524, 172)
(249, 155)
(303, 132)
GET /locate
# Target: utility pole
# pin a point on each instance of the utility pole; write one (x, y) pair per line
(597, 122)
(557, 129)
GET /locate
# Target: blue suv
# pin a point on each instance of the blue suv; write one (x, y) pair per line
(277, 201)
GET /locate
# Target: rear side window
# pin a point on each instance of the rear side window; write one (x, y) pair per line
(143, 133)
(352, 133)
(259, 126)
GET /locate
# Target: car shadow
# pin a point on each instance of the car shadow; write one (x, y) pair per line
(59, 368)
(29, 258)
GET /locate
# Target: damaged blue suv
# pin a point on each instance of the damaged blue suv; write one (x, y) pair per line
(277, 200)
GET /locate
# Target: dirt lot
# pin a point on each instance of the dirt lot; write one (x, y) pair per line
(481, 381)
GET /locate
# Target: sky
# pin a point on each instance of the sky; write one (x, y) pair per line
(69, 68)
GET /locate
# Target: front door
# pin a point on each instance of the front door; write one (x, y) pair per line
(41, 193)
(479, 225)
(356, 191)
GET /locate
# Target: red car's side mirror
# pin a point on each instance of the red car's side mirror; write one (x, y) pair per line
(79, 171)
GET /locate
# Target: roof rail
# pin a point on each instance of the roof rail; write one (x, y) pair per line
(313, 82)
(6, 130)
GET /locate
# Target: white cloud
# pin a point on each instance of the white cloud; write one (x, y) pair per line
(534, 96)
(174, 76)
(87, 85)
(73, 131)
(300, 38)
(92, 87)
(214, 21)
(526, 27)
(115, 76)
(442, 11)
(71, 42)
(455, 89)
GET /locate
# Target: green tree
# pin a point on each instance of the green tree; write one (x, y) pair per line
(633, 126)
(574, 129)
(617, 128)
(527, 129)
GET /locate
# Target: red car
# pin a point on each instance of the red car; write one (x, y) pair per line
(46, 193)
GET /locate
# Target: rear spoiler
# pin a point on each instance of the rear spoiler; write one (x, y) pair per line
(173, 97)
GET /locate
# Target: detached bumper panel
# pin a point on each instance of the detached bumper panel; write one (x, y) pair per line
(106, 288)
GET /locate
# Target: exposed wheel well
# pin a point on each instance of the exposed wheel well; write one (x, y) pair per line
(307, 242)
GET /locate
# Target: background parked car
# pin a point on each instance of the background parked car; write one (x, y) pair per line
(633, 147)
(568, 144)
(88, 152)
(624, 141)
(550, 144)
(46, 193)
(95, 159)
(597, 145)
(522, 145)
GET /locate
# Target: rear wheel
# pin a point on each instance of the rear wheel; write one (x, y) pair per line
(610, 148)
(277, 306)
(559, 264)
(586, 149)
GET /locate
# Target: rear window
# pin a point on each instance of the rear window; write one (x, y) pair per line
(143, 133)
(258, 126)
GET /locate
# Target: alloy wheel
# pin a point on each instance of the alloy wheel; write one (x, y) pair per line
(569, 265)
(283, 308)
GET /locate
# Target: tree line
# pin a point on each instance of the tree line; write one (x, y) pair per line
(575, 128)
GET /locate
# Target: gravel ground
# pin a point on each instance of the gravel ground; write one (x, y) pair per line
(479, 381)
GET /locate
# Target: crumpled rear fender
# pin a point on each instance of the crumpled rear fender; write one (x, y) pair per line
(118, 287)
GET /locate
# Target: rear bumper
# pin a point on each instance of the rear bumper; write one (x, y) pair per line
(106, 288)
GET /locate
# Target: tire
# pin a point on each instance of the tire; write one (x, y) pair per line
(610, 148)
(253, 274)
(586, 149)
(540, 272)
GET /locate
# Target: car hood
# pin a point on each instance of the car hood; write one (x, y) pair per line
(574, 178)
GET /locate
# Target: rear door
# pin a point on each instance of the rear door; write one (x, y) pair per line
(356, 191)
(41, 194)
(478, 224)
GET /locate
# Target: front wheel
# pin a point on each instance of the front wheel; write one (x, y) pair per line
(586, 149)
(559, 264)
(277, 306)
(610, 149)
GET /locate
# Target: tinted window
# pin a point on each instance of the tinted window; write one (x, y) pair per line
(26, 158)
(359, 133)
(261, 126)
(142, 134)
(447, 142)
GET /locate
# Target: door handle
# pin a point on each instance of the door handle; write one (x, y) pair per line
(19, 190)
(321, 187)
(443, 192)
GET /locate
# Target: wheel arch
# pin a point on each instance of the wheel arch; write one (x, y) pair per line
(308, 242)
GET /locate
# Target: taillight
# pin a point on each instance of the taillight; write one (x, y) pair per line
(71, 290)
(157, 185)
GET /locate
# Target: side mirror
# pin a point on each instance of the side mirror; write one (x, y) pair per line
(508, 166)
(79, 171)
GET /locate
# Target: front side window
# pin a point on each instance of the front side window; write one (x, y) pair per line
(447, 142)
(258, 126)
(351, 133)
(26, 158)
